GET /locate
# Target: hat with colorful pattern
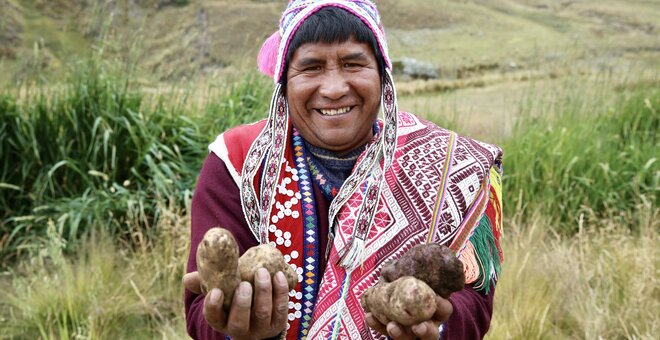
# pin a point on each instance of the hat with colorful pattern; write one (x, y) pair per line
(273, 53)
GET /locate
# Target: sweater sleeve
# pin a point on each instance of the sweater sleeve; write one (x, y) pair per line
(471, 316)
(216, 202)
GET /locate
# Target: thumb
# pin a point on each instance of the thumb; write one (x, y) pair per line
(444, 309)
(192, 282)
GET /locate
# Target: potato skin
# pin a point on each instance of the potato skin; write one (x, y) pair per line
(217, 261)
(432, 263)
(408, 285)
(219, 265)
(407, 301)
(265, 256)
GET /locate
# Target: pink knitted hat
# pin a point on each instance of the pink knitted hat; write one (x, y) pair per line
(273, 52)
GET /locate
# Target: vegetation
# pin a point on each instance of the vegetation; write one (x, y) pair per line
(98, 154)
(580, 165)
(97, 169)
(98, 160)
(602, 282)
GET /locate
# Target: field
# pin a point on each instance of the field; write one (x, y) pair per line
(104, 126)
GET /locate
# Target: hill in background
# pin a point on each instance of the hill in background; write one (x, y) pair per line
(175, 39)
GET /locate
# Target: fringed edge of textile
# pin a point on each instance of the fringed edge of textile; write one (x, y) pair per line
(486, 255)
(482, 257)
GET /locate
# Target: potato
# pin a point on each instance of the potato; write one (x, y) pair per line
(217, 263)
(408, 285)
(433, 263)
(269, 257)
(407, 301)
(220, 267)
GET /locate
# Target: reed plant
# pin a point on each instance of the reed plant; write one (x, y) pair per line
(96, 152)
(96, 179)
(585, 160)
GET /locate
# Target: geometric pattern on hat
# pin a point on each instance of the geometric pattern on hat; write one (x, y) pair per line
(299, 10)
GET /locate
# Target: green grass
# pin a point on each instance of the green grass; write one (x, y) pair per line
(586, 161)
(97, 153)
(97, 169)
(98, 216)
(212, 38)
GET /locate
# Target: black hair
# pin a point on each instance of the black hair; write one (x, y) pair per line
(329, 25)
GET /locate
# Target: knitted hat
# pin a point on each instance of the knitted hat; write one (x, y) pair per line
(273, 53)
(267, 151)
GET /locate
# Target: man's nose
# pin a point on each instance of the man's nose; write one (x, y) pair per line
(334, 85)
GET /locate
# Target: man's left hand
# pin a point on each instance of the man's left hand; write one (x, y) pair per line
(427, 330)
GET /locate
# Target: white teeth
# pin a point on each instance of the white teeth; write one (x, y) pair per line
(334, 112)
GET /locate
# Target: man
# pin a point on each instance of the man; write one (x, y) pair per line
(340, 192)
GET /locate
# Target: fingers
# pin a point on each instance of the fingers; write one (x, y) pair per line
(398, 332)
(263, 300)
(393, 329)
(372, 322)
(238, 323)
(443, 309)
(427, 330)
(280, 301)
(192, 282)
(424, 330)
(213, 312)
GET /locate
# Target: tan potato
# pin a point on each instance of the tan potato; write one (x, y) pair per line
(433, 263)
(220, 267)
(269, 257)
(217, 262)
(407, 301)
(428, 269)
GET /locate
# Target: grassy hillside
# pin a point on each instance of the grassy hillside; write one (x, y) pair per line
(175, 39)
(96, 232)
(106, 108)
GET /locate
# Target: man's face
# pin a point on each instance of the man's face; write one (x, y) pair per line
(334, 94)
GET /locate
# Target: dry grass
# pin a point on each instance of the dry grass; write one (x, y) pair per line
(104, 292)
(602, 283)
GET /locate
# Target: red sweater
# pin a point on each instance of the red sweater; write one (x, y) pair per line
(216, 202)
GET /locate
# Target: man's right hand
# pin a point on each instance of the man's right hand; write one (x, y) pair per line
(268, 316)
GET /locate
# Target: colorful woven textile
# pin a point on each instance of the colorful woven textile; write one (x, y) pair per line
(413, 183)
(326, 305)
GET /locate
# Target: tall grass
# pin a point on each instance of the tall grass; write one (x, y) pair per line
(105, 292)
(603, 283)
(575, 164)
(85, 164)
(95, 152)
(87, 156)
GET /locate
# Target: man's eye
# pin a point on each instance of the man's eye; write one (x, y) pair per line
(312, 68)
(352, 65)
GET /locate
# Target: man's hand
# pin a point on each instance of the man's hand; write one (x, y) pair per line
(427, 330)
(267, 317)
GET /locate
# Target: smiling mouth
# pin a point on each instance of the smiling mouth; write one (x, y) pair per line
(334, 112)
